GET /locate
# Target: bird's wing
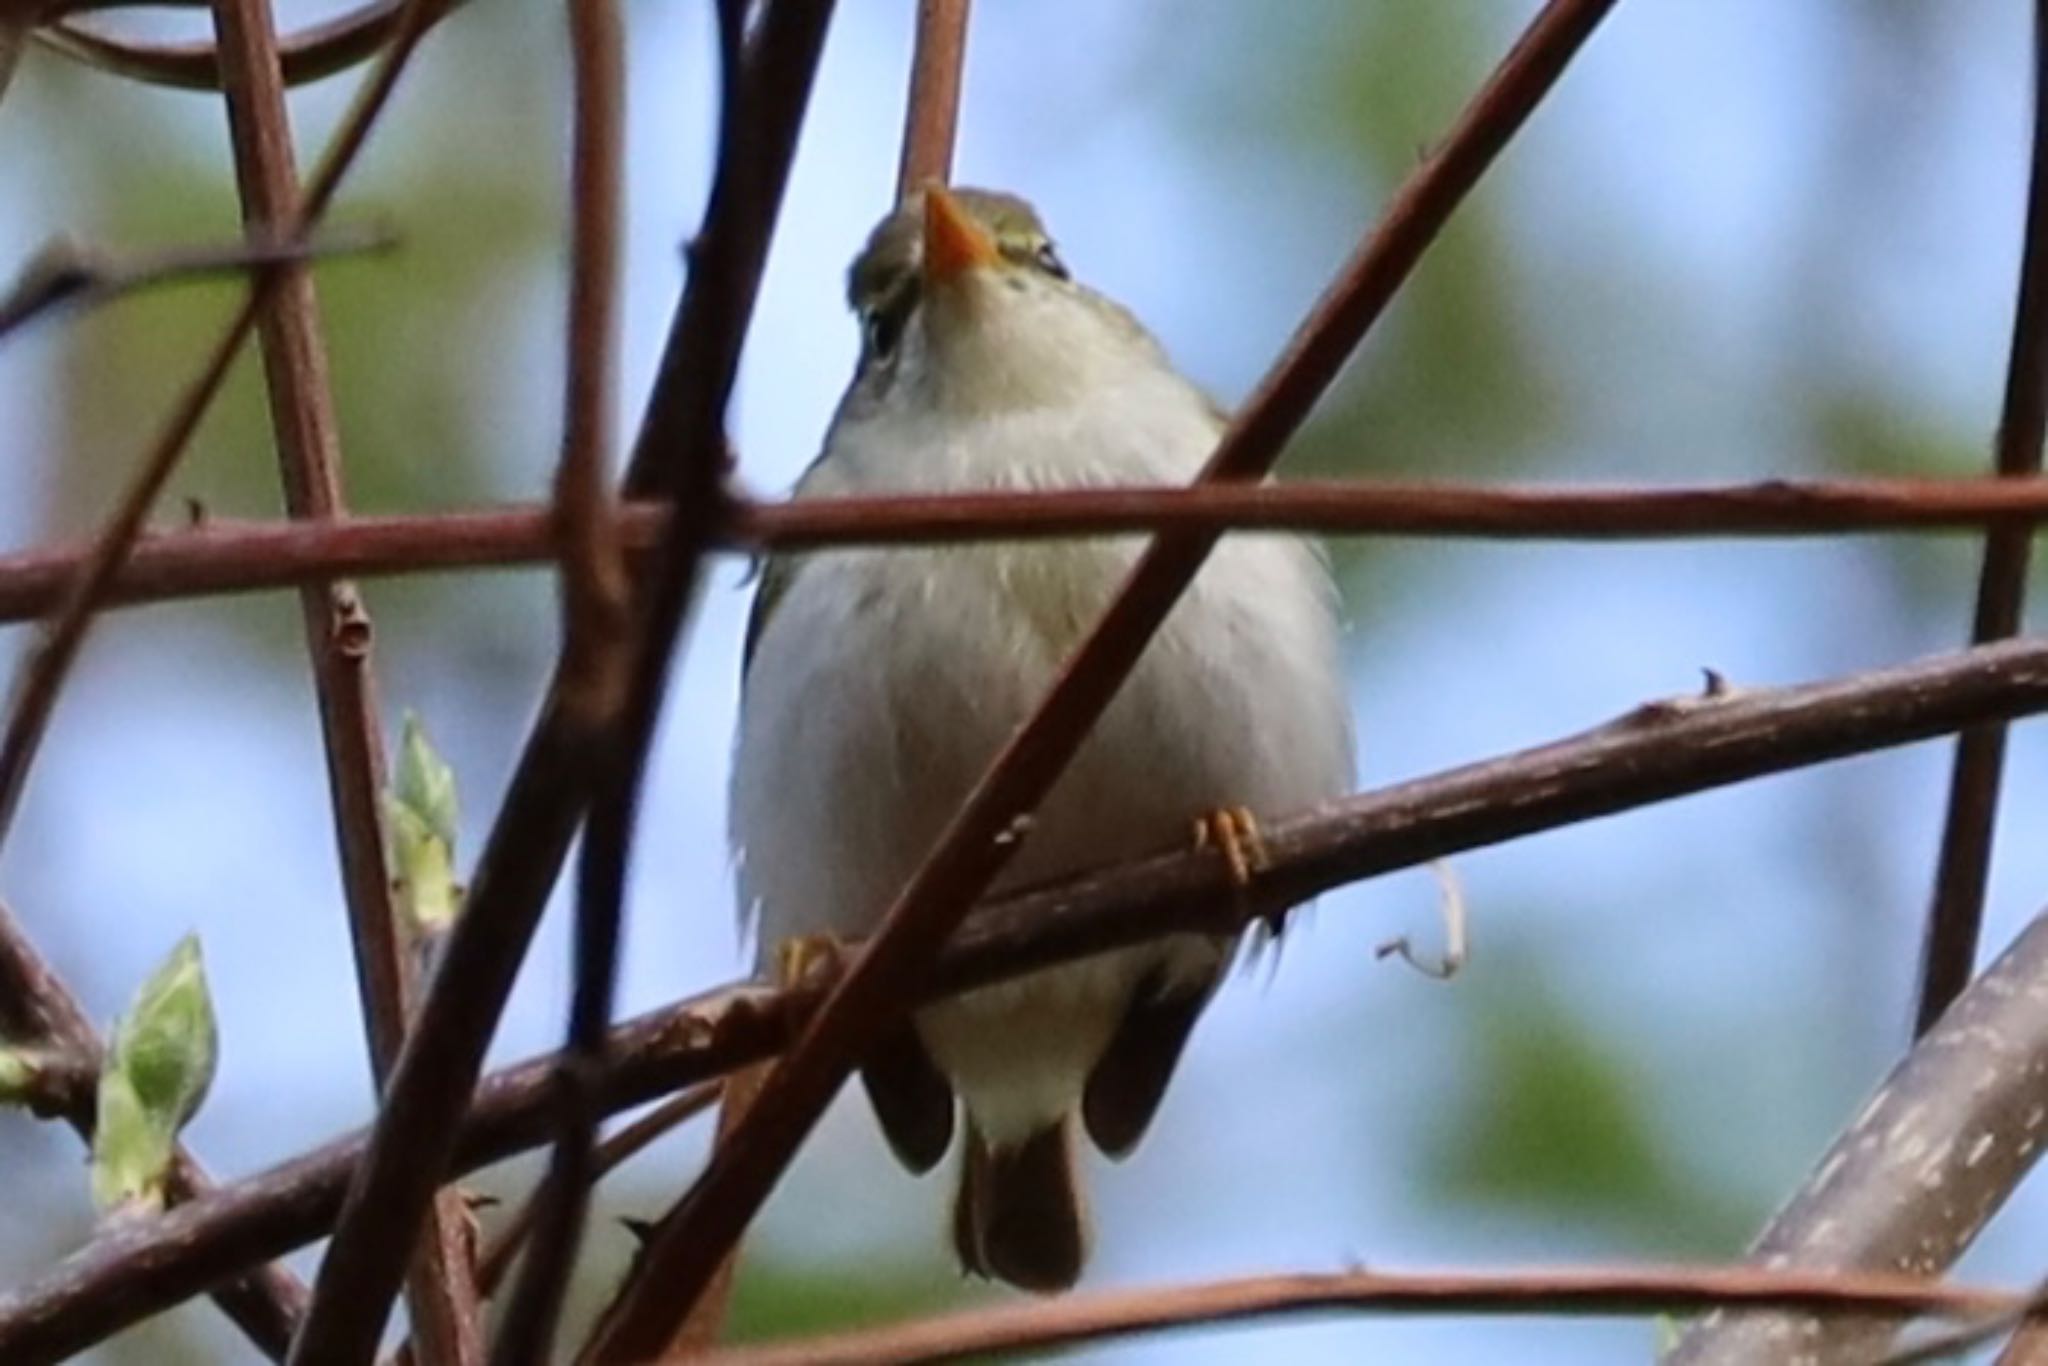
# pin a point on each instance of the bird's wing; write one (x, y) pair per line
(778, 572)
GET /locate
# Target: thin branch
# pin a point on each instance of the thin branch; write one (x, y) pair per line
(65, 274)
(37, 1009)
(596, 656)
(931, 119)
(1008, 1329)
(1907, 1186)
(50, 662)
(691, 1241)
(621, 1147)
(412, 1144)
(1957, 912)
(313, 53)
(338, 630)
(226, 556)
(1654, 753)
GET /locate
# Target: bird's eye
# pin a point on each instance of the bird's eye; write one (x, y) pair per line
(1049, 261)
(881, 326)
(880, 330)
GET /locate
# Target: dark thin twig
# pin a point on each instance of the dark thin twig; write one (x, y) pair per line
(930, 126)
(37, 1009)
(687, 1247)
(596, 656)
(65, 274)
(622, 1146)
(1957, 912)
(1654, 753)
(931, 119)
(313, 53)
(225, 556)
(1036, 1326)
(412, 1144)
(50, 662)
(791, 33)
(338, 632)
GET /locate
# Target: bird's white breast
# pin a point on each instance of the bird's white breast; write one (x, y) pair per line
(887, 679)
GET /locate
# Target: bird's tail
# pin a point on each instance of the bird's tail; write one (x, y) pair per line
(1021, 1214)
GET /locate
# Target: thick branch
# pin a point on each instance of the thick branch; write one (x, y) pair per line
(1654, 753)
(1957, 912)
(978, 1334)
(1913, 1179)
(230, 556)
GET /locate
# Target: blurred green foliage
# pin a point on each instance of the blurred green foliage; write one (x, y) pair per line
(427, 342)
(1550, 1117)
(774, 1299)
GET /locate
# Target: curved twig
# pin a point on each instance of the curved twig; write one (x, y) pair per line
(312, 53)
(1001, 1331)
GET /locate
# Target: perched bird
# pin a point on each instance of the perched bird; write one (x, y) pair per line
(880, 682)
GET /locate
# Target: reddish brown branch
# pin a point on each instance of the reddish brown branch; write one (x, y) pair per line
(931, 120)
(692, 1240)
(1957, 912)
(232, 557)
(1656, 752)
(976, 1334)
(338, 631)
(36, 1009)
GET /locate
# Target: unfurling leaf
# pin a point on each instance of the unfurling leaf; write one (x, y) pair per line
(156, 1073)
(420, 811)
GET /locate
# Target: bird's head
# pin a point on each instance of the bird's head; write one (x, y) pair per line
(965, 306)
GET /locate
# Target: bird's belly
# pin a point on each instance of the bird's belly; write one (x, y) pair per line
(888, 680)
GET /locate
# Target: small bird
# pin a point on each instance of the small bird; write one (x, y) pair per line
(880, 682)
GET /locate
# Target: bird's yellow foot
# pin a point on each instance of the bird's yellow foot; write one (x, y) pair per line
(806, 958)
(1233, 832)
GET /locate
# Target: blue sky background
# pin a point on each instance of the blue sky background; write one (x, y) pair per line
(1744, 238)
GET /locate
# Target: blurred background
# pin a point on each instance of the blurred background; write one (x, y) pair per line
(1747, 238)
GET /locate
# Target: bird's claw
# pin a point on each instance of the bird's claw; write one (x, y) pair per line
(1233, 831)
(803, 959)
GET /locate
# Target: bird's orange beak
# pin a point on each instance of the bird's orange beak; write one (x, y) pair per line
(953, 242)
